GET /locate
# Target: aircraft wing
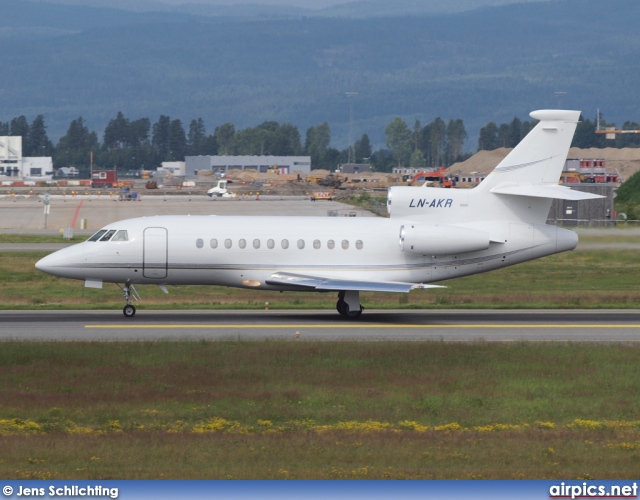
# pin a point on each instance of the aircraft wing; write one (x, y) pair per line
(320, 283)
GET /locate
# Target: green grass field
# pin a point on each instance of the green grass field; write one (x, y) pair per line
(301, 410)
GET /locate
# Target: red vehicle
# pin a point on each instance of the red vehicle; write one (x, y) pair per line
(440, 177)
(104, 178)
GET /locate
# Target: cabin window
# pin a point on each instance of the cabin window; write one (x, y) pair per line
(284, 244)
(345, 244)
(213, 243)
(121, 236)
(228, 243)
(331, 244)
(242, 243)
(98, 235)
(316, 244)
(108, 236)
(359, 244)
(300, 244)
(271, 244)
(199, 243)
(256, 243)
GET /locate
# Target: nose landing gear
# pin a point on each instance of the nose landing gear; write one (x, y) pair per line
(129, 293)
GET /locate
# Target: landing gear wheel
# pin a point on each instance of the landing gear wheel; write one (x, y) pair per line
(129, 311)
(343, 308)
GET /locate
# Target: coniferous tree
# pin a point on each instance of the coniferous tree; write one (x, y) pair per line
(224, 136)
(177, 141)
(456, 135)
(316, 146)
(116, 134)
(398, 140)
(503, 136)
(20, 127)
(160, 138)
(38, 142)
(76, 147)
(585, 134)
(488, 139)
(514, 133)
(138, 135)
(362, 149)
(196, 138)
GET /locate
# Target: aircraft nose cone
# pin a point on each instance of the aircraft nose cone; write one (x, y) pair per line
(66, 263)
(44, 264)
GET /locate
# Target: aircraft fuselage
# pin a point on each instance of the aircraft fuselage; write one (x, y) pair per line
(246, 251)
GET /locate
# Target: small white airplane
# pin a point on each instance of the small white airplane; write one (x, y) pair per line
(432, 234)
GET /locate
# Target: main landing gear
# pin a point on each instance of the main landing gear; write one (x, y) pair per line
(348, 304)
(129, 293)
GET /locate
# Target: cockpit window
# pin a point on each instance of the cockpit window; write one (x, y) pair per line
(108, 236)
(98, 235)
(121, 236)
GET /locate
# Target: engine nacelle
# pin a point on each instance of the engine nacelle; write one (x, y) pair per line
(429, 239)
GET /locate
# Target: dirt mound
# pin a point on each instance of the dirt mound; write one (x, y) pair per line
(482, 161)
(625, 161)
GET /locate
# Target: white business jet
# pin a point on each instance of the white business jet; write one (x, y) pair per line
(432, 234)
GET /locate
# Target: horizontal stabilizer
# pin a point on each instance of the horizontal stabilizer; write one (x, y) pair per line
(319, 283)
(554, 191)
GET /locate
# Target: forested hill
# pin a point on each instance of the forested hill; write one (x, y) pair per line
(489, 64)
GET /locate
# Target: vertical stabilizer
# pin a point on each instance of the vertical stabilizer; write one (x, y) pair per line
(540, 157)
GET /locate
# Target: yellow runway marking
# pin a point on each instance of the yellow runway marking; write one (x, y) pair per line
(359, 326)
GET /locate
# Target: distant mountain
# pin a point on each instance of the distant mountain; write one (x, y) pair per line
(23, 17)
(384, 8)
(291, 8)
(479, 65)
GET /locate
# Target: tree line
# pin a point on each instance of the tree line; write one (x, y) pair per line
(508, 135)
(129, 145)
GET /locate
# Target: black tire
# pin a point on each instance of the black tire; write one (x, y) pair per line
(354, 314)
(129, 311)
(343, 309)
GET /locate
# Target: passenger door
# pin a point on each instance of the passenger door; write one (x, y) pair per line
(154, 253)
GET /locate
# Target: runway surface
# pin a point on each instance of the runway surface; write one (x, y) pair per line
(443, 325)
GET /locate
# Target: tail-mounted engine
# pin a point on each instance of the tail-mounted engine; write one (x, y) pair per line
(430, 239)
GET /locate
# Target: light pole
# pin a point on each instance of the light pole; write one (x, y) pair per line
(350, 96)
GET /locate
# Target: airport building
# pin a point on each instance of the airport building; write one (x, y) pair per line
(594, 213)
(285, 164)
(355, 168)
(15, 167)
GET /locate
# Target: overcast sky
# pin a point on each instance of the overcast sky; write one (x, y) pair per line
(312, 4)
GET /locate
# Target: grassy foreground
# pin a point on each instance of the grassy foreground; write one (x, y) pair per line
(579, 279)
(301, 410)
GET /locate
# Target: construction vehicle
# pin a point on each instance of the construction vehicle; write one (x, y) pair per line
(321, 195)
(276, 170)
(332, 180)
(571, 177)
(440, 177)
(314, 177)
